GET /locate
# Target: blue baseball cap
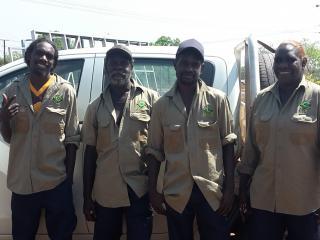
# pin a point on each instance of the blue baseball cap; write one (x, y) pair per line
(193, 44)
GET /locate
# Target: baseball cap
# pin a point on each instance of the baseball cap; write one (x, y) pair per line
(120, 49)
(191, 43)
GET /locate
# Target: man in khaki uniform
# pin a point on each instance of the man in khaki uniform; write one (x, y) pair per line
(39, 121)
(191, 131)
(282, 153)
(115, 132)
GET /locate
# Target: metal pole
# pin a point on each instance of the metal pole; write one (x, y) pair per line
(4, 51)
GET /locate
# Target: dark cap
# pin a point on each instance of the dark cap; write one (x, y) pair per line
(120, 49)
(193, 44)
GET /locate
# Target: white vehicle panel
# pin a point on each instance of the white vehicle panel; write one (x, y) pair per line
(91, 82)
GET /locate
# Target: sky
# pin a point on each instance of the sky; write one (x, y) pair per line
(147, 20)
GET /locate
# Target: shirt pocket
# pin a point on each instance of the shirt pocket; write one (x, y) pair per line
(139, 126)
(103, 134)
(304, 130)
(173, 138)
(54, 121)
(262, 127)
(144, 117)
(22, 123)
(208, 135)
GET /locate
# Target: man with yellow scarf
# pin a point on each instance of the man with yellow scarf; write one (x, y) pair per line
(39, 121)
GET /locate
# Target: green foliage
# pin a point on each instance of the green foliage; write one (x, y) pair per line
(15, 56)
(59, 43)
(2, 61)
(312, 50)
(57, 40)
(312, 78)
(166, 41)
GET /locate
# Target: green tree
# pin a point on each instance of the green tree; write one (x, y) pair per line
(166, 41)
(15, 56)
(312, 50)
(57, 40)
(59, 43)
(2, 61)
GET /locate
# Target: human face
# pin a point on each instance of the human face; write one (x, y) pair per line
(188, 68)
(42, 59)
(119, 70)
(289, 65)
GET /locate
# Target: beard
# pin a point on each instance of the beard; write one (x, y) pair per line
(188, 79)
(120, 80)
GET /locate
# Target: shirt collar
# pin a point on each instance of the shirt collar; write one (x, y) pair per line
(25, 80)
(275, 88)
(135, 87)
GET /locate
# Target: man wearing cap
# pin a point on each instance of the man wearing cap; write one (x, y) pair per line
(115, 132)
(191, 131)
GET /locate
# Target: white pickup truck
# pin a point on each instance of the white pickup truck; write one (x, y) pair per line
(153, 67)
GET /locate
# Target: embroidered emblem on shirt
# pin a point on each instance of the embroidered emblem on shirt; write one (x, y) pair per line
(141, 104)
(207, 110)
(57, 98)
(304, 106)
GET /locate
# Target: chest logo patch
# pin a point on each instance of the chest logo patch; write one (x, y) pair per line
(57, 98)
(141, 104)
(304, 106)
(207, 110)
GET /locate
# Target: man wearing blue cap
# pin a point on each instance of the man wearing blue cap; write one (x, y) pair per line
(191, 130)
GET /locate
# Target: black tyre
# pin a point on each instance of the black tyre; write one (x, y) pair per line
(267, 76)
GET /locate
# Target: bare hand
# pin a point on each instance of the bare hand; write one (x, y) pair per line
(157, 202)
(226, 202)
(8, 110)
(89, 210)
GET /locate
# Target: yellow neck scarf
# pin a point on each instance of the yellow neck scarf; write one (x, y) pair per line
(37, 93)
(43, 88)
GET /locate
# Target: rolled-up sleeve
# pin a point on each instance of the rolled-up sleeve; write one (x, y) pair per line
(226, 123)
(249, 158)
(155, 136)
(72, 130)
(89, 127)
(155, 96)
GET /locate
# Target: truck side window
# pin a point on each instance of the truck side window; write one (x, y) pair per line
(8, 78)
(208, 73)
(71, 71)
(68, 69)
(160, 75)
(157, 74)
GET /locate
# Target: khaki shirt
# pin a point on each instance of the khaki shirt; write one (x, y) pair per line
(191, 145)
(282, 151)
(37, 146)
(119, 149)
